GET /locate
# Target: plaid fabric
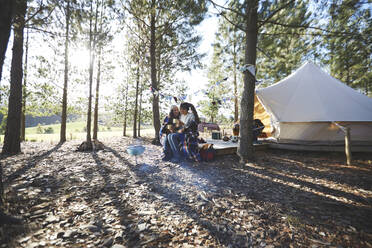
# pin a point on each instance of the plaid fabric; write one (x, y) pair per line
(189, 146)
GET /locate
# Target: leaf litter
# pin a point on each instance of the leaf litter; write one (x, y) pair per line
(104, 198)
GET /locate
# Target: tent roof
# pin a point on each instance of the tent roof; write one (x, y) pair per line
(310, 95)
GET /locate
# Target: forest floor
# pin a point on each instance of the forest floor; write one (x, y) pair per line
(104, 199)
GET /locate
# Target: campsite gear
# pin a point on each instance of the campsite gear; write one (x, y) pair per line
(207, 152)
(303, 106)
(258, 126)
(205, 126)
(216, 135)
(135, 150)
(236, 129)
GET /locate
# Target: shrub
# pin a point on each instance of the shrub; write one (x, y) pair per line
(49, 130)
(39, 129)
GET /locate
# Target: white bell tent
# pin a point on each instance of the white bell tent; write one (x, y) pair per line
(307, 107)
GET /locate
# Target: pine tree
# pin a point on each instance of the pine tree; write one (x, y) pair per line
(168, 25)
(255, 14)
(350, 43)
(6, 15)
(12, 141)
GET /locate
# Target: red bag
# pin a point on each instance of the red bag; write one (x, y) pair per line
(207, 152)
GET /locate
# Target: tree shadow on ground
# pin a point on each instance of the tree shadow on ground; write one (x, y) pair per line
(126, 213)
(312, 203)
(31, 163)
(227, 237)
(328, 166)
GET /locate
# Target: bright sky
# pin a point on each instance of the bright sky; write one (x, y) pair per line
(197, 79)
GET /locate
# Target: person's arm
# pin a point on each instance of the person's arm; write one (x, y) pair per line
(188, 121)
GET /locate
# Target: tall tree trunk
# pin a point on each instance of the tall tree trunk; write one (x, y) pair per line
(140, 112)
(6, 14)
(23, 114)
(245, 149)
(95, 121)
(65, 84)
(91, 67)
(126, 109)
(154, 84)
(236, 106)
(136, 106)
(12, 141)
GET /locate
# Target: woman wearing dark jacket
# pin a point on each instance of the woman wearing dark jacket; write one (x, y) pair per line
(169, 126)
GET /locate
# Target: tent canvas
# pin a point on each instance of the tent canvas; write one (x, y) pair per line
(305, 106)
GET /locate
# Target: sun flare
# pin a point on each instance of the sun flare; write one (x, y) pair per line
(79, 57)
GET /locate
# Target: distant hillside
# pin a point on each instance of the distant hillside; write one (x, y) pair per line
(33, 121)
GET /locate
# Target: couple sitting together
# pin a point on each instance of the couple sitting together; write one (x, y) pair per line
(179, 134)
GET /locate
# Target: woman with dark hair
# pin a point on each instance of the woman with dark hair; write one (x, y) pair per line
(184, 142)
(186, 117)
(169, 126)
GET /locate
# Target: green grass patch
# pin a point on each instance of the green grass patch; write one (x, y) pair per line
(71, 127)
(76, 131)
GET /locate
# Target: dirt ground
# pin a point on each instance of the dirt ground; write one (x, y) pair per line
(107, 199)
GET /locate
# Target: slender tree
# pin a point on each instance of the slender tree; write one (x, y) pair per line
(92, 46)
(24, 93)
(12, 141)
(6, 14)
(135, 112)
(102, 38)
(140, 112)
(95, 120)
(66, 73)
(126, 107)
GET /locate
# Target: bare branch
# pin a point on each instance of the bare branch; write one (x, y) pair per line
(44, 31)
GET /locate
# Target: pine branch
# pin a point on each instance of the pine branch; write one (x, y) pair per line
(264, 53)
(45, 31)
(134, 32)
(275, 12)
(316, 28)
(226, 8)
(226, 18)
(132, 13)
(34, 14)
